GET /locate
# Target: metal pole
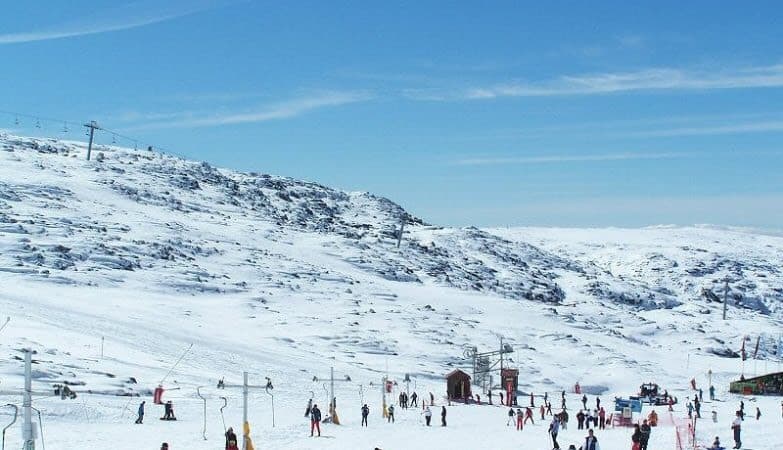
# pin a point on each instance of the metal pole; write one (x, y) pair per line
(27, 402)
(244, 411)
(204, 430)
(102, 340)
(725, 298)
(92, 126)
(331, 393)
(402, 228)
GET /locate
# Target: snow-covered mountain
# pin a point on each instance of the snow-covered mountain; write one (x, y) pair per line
(273, 275)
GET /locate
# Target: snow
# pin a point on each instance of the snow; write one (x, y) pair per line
(285, 278)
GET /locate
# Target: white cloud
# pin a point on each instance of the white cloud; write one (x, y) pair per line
(606, 83)
(133, 15)
(554, 159)
(735, 128)
(282, 110)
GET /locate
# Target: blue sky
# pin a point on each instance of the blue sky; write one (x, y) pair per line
(486, 113)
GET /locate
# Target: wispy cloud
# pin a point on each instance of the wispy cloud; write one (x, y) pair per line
(735, 128)
(281, 110)
(125, 17)
(554, 159)
(606, 83)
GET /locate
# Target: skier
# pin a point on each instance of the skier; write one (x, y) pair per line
(309, 407)
(742, 409)
(697, 406)
(365, 413)
(671, 404)
(432, 399)
(712, 392)
(520, 419)
(591, 442)
(164, 446)
(168, 413)
(315, 420)
(427, 415)
(443, 416)
(714, 416)
(542, 410)
(501, 398)
(415, 400)
(580, 420)
(529, 415)
(554, 428)
(532, 401)
(140, 419)
(645, 437)
(636, 438)
(716, 444)
(549, 408)
(231, 439)
(701, 395)
(489, 394)
(736, 426)
(758, 413)
(564, 419)
(390, 414)
(597, 402)
(602, 419)
(584, 401)
(690, 409)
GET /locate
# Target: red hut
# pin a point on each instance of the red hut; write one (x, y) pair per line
(458, 385)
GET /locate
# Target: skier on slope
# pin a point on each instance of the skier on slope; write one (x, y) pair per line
(510, 416)
(415, 399)
(591, 442)
(646, 430)
(427, 415)
(549, 408)
(580, 420)
(584, 401)
(443, 416)
(758, 413)
(140, 418)
(529, 415)
(390, 414)
(636, 438)
(231, 440)
(315, 420)
(520, 419)
(736, 427)
(365, 414)
(554, 429)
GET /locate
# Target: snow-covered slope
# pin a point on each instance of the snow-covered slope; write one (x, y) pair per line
(285, 278)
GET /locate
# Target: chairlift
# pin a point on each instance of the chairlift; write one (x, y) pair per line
(65, 127)
(16, 120)
(113, 138)
(37, 123)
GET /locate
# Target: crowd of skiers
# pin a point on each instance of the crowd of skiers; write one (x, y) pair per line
(586, 419)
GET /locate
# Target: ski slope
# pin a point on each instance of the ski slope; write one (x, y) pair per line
(148, 254)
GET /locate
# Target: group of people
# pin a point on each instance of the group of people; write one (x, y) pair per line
(406, 401)
(168, 412)
(595, 418)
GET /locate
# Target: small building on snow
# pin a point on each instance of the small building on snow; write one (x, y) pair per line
(458, 385)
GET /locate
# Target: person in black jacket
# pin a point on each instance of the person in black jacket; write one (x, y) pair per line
(365, 414)
(231, 439)
(636, 437)
(443, 416)
(315, 420)
(645, 437)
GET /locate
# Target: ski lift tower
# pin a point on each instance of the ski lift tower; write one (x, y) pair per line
(485, 362)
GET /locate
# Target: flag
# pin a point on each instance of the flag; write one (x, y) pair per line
(756, 350)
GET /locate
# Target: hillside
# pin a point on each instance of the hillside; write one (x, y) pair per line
(284, 278)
